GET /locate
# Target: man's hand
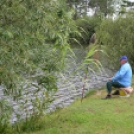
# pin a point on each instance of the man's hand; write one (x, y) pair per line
(109, 79)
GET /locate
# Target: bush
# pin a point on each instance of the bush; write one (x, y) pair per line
(86, 26)
(117, 38)
(31, 124)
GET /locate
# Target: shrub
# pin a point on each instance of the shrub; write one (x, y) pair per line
(86, 26)
(117, 37)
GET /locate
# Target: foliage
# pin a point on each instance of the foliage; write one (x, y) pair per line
(33, 44)
(72, 1)
(117, 38)
(5, 113)
(89, 64)
(125, 5)
(33, 37)
(33, 120)
(128, 3)
(33, 123)
(80, 7)
(105, 6)
(86, 26)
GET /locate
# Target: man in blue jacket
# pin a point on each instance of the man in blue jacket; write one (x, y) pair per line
(122, 78)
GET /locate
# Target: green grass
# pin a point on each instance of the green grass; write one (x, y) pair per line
(92, 116)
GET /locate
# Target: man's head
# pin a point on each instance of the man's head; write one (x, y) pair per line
(123, 59)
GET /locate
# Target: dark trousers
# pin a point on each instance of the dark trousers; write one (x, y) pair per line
(111, 84)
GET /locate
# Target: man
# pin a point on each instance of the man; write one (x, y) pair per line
(122, 78)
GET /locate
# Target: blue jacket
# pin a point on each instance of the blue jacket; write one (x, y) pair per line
(124, 75)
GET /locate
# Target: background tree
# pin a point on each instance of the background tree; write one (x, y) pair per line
(126, 5)
(81, 7)
(102, 6)
(117, 38)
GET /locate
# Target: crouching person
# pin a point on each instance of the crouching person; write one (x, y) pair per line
(121, 80)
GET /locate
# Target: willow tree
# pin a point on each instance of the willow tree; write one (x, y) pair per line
(33, 41)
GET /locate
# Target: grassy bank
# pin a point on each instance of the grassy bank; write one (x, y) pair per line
(92, 116)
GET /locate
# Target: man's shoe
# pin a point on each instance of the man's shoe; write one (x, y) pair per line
(116, 92)
(107, 97)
